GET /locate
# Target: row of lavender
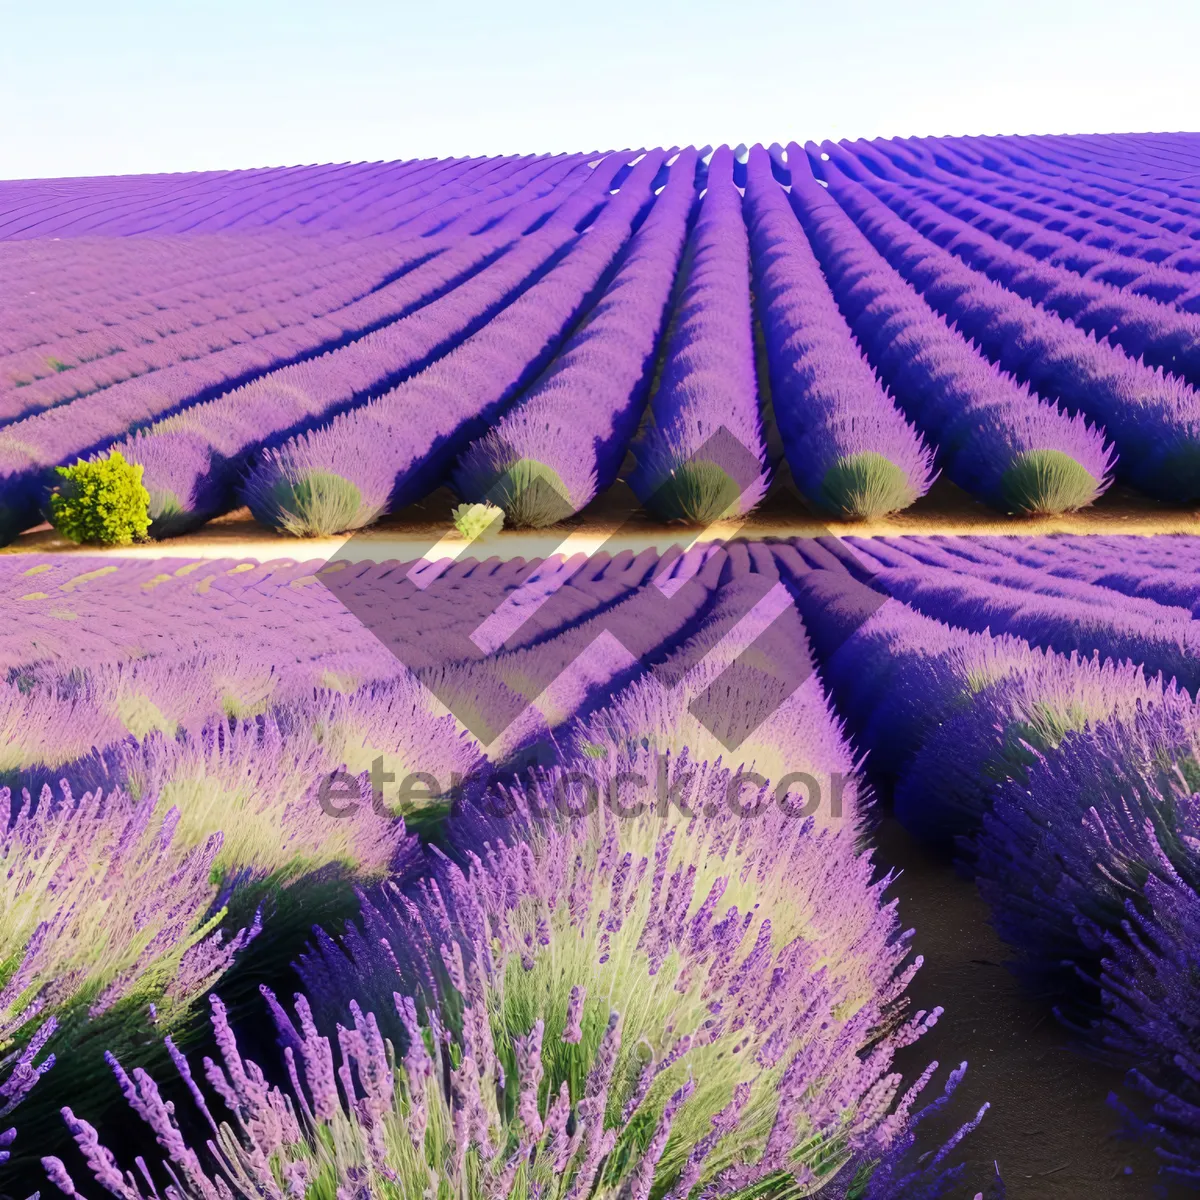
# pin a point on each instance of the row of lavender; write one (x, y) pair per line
(543, 998)
(524, 324)
(377, 293)
(1029, 705)
(107, 297)
(359, 198)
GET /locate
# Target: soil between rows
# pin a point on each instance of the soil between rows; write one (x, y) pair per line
(607, 521)
(1050, 1128)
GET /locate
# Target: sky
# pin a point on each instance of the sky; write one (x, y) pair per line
(126, 86)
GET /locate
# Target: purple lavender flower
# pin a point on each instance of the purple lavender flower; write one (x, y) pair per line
(704, 458)
(997, 439)
(741, 689)
(849, 448)
(564, 442)
(951, 781)
(1043, 867)
(399, 1123)
(23, 1071)
(1151, 1016)
(167, 693)
(260, 783)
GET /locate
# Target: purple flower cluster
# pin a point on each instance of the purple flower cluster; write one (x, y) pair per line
(849, 448)
(566, 440)
(995, 438)
(257, 782)
(1092, 874)
(676, 941)
(703, 457)
(44, 725)
(740, 691)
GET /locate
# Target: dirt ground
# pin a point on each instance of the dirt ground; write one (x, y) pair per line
(606, 523)
(1049, 1129)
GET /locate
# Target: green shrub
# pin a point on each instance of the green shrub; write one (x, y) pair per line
(1044, 482)
(311, 504)
(532, 495)
(862, 486)
(101, 502)
(475, 520)
(697, 492)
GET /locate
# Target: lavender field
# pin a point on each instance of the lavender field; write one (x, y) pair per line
(574, 876)
(740, 867)
(1017, 317)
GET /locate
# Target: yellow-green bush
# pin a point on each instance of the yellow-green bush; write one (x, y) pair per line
(102, 501)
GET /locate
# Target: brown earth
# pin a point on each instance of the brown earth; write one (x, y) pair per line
(1049, 1129)
(605, 522)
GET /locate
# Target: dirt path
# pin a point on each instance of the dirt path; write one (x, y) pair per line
(408, 534)
(1049, 1127)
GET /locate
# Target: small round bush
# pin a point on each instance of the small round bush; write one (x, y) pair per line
(475, 520)
(307, 503)
(532, 494)
(101, 502)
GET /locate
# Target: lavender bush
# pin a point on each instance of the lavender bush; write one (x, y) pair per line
(259, 781)
(1090, 868)
(702, 457)
(849, 448)
(641, 949)
(565, 441)
(104, 909)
